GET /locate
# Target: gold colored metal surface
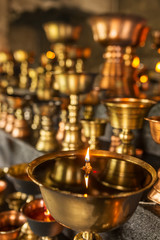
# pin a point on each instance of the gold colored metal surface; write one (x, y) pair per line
(114, 190)
(119, 34)
(20, 55)
(93, 130)
(15, 200)
(73, 84)
(127, 114)
(12, 221)
(61, 32)
(154, 123)
(38, 226)
(107, 29)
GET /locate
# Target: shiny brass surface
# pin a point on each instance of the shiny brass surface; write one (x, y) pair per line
(127, 114)
(118, 29)
(119, 34)
(15, 200)
(61, 32)
(40, 227)
(47, 134)
(18, 176)
(93, 130)
(154, 123)
(10, 219)
(20, 55)
(115, 188)
(73, 84)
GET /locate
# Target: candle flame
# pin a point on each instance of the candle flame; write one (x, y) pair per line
(87, 158)
(46, 212)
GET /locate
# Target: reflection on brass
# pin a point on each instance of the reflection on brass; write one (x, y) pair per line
(15, 200)
(93, 130)
(119, 34)
(27, 234)
(38, 226)
(154, 123)
(11, 223)
(21, 128)
(115, 188)
(73, 84)
(21, 56)
(61, 32)
(47, 134)
(127, 114)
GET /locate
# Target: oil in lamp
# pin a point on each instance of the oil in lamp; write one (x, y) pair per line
(154, 123)
(73, 85)
(120, 34)
(40, 221)
(109, 201)
(127, 114)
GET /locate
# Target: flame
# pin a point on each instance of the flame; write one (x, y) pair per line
(86, 177)
(50, 55)
(157, 68)
(143, 79)
(46, 212)
(87, 158)
(135, 62)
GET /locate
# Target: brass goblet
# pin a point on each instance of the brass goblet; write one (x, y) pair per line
(127, 114)
(93, 129)
(109, 201)
(73, 84)
(61, 32)
(119, 34)
(154, 123)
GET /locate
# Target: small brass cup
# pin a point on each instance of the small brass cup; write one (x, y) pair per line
(11, 223)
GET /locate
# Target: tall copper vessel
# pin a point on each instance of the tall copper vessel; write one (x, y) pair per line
(120, 34)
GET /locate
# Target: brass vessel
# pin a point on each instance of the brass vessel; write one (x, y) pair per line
(46, 141)
(120, 34)
(110, 199)
(13, 222)
(127, 114)
(38, 226)
(93, 129)
(61, 32)
(154, 123)
(73, 84)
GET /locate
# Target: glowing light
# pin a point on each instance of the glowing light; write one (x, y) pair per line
(143, 78)
(157, 68)
(85, 195)
(50, 55)
(87, 158)
(86, 177)
(135, 62)
(158, 50)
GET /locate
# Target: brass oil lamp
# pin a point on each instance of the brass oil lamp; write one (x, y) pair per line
(63, 37)
(120, 34)
(127, 114)
(97, 208)
(93, 129)
(154, 123)
(73, 84)
(40, 221)
(47, 141)
(21, 57)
